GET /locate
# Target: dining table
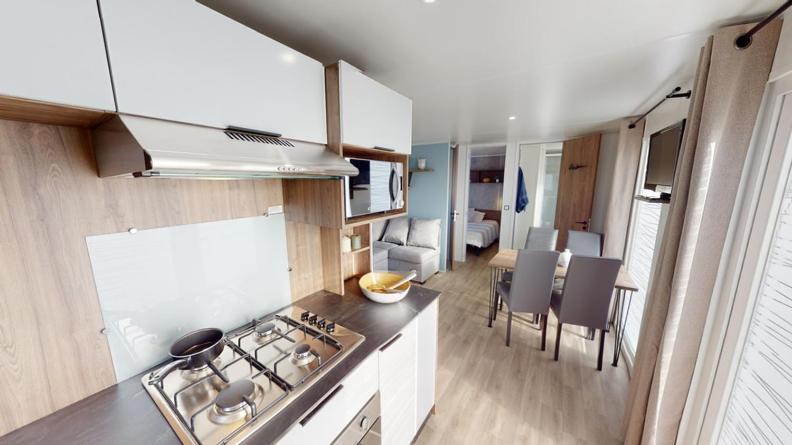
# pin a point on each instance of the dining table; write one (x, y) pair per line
(624, 288)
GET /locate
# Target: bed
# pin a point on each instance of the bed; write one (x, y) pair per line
(482, 234)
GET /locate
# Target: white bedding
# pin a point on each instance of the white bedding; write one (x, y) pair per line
(482, 234)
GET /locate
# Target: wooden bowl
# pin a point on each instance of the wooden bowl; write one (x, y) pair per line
(383, 279)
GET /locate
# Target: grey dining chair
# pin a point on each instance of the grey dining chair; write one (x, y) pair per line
(586, 296)
(531, 287)
(539, 238)
(584, 243)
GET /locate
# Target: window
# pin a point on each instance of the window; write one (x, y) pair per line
(640, 256)
(759, 409)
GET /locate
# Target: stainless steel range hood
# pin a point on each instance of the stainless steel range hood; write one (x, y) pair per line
(144, 147)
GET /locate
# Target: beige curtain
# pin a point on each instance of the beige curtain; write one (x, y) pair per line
(726, 97)
(622, 190)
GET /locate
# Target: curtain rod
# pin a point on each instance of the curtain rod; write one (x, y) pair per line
(675, 93)
(745, 40)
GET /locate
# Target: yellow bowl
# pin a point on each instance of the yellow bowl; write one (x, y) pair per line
(383, 279)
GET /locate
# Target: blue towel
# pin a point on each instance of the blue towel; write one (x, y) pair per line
(522, 194)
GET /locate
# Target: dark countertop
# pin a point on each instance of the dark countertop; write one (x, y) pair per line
(125, 414)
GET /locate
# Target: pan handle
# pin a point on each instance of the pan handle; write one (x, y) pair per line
(217, 372)
(158, 375)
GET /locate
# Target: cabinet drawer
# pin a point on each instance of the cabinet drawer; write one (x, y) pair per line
(325, 421)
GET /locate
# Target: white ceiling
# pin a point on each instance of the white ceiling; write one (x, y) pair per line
(563, 68)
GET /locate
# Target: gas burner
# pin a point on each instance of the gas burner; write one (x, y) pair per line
(266, 332)
(233, 402)
(302, 355)
(193, 375)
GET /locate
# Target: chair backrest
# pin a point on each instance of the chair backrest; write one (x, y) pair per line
(588, 288)
(532, 281)
(541, 238)
(584, 243)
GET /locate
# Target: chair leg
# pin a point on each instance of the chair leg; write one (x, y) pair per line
(495, 307)
(508, 328)
(558, 340)
(601, 350)
(543, 321)
(500, 304)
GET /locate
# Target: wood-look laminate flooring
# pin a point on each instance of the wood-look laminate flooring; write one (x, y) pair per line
(490, 393)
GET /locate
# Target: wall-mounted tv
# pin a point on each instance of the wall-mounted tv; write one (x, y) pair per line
(661, 163)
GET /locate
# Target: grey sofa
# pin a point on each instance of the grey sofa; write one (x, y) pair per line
(388, 256)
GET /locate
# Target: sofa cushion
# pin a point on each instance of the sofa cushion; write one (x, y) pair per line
(412, 254)
(397, 231)
(424, 233)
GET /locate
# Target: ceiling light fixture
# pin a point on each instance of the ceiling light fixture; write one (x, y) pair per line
(511, 118)
(428, 1)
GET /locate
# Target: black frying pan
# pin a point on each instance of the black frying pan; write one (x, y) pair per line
(195, 350)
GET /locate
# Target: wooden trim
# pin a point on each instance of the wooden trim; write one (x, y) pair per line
(28, 110)
(314, 201)
(332, 266)
(333, 108)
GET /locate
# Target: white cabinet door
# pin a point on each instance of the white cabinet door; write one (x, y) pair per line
(337, 409)
(397, 370)
(181, 61)
(427, 362)
(373, 115)
(53, 51)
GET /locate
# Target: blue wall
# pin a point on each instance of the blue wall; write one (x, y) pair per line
(429, 191)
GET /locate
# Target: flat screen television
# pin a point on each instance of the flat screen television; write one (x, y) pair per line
(661, 163)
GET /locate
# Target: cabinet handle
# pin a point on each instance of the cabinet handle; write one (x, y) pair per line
(392, 341)
(310, 415)
(377, 147)
(272, 134)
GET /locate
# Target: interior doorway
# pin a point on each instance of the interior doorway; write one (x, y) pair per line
(485, 197)
(540, 165)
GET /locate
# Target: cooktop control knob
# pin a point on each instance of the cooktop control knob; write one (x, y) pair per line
(321, 323)
(312, 319)
(330, 328)
(304, 316)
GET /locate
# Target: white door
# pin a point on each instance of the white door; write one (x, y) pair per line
(462, 177)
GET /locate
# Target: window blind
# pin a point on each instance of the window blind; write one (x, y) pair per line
(639, 263)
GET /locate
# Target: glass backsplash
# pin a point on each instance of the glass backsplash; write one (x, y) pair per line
(156, 285)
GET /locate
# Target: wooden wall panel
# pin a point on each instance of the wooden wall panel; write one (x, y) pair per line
(51, 350)
(305, 259)
(311, 201)
(576, 185)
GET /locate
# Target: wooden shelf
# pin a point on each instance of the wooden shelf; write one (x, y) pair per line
(362, 249)
(426, 170)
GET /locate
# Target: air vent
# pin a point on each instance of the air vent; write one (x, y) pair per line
(249, 137)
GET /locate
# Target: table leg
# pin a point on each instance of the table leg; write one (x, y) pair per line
(491, 296)
(624, 311)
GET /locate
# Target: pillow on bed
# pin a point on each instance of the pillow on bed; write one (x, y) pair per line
(477, 216)
(396, 232)
(424, 233)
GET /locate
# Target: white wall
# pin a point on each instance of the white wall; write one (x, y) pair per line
(605, 170)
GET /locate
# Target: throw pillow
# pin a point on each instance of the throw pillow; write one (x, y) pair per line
(424, 233)
(397, 230)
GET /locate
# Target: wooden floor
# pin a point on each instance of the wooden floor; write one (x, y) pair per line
(490, 393)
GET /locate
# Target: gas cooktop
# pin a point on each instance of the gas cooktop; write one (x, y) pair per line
(268, 363)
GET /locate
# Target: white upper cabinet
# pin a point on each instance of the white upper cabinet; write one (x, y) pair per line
(373, 115)
(53, 51)
(181, 61)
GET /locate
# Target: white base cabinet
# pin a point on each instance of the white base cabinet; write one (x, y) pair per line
(342, 406)
(373, 115)
(53, 51)
(398, 386)
(427, 362)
